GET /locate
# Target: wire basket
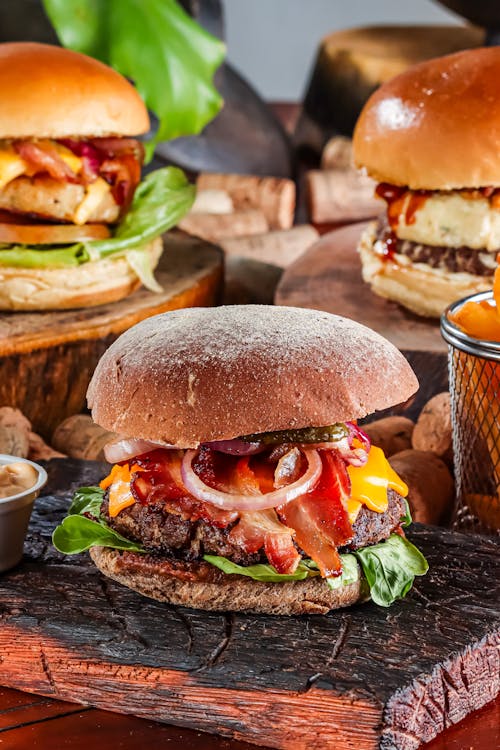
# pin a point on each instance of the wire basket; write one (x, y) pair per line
(474, 372)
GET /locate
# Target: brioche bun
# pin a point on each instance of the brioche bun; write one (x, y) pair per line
(420, 288)
(203, 586)
(436, 126)
(93, 283)
(201, 374)
(52, 92)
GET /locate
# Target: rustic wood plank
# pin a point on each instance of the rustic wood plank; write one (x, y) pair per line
(54, 354)
(360, 678)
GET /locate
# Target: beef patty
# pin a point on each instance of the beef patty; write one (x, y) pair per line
(454, 259)
(163, 533)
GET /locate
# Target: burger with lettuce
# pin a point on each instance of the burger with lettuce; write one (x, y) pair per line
(78, 227)
(240, 479)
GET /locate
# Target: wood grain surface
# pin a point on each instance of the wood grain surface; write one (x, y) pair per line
(363, 678)
(47, 359)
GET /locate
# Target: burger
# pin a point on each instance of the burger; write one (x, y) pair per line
(77, 225)
(431, 138)
(240, 479)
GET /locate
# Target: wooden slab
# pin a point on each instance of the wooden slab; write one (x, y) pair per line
(366, 677)
(47, 359)
(328, 277)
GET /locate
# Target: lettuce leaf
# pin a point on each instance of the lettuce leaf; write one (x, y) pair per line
(170, 58)
(160, 201)
(305, 569)
(87, 500)
(78, 533)
(390, 568)
(262, 572)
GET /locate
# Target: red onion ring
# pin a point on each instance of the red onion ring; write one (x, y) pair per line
(235, 447)
(124, 449)
(229, 501)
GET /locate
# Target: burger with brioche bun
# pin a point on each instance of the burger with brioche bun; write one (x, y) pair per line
(431, 138)
(240, 478)
(77, 226)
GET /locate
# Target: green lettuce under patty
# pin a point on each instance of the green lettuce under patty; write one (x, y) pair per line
(389, 567)
(160, 201)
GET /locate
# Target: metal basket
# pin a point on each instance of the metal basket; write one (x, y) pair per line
(474, 372)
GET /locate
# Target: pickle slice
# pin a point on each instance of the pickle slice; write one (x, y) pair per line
(329, 434)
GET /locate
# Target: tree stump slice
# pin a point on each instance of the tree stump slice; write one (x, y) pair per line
(328, 277)
(47, 358)
(364, 678)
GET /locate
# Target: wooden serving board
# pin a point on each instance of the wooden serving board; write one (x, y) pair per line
(47, 358)
(366, 677)
(328, 277)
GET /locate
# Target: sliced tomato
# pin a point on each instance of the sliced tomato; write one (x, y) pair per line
(51, 234)
(320, 518)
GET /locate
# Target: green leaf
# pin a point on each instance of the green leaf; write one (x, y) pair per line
(305, 569)
(390, 568)
(170, 58)
(350, 573)
(160, 201)
(262, 572)
(23, 256)
(406, 519)
(87, 500)
(77, 533)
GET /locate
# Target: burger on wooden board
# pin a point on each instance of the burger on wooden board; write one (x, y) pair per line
(431, 138)
(242, 481)
(77, 225)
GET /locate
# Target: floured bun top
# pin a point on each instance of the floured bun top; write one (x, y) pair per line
(201, 374)
(436, 126)
(51, 92)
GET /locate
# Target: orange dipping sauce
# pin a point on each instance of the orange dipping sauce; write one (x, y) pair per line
(481, 320)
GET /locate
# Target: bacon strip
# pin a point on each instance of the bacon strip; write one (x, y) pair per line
(320, 518)
(43, 157)
(263, 529)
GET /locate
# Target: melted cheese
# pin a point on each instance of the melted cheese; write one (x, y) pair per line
(74, 162)
(118, 481)
(12, 165)
(93, 196)
(452, 220)
(369, 484)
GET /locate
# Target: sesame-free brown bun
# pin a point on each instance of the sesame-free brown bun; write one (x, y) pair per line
(436, 126)
(202, 374)
(51, 92)
(203, 586)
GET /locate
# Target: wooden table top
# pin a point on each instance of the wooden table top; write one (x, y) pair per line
(30, 721)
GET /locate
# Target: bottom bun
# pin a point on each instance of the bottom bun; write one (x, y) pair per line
(202, 586)
(420, 288)
(95, 283)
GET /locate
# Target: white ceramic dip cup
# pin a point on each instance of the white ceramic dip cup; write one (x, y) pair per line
(15, 512)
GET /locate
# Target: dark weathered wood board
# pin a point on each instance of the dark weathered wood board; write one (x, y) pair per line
(47, 359)
(361, 678)
(328, 277)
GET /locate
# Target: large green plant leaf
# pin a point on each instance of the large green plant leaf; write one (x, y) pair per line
(170, 58)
